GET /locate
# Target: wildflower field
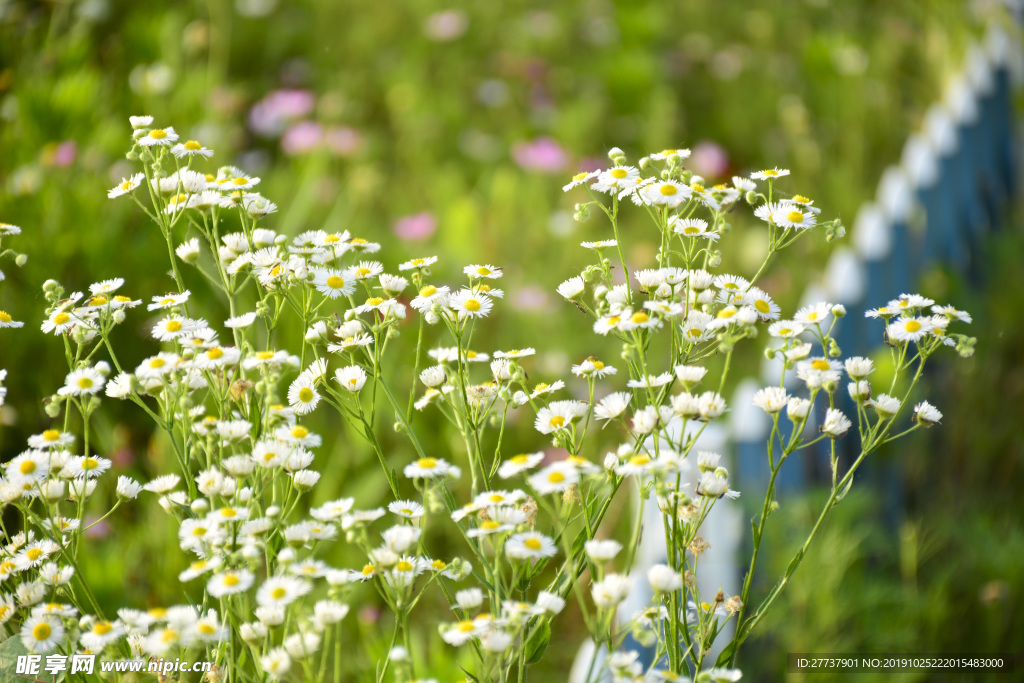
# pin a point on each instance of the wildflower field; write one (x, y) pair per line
(403, 343)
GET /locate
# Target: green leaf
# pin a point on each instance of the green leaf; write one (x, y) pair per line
(538, 643)
(10, 649)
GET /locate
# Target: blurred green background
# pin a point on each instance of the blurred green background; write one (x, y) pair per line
(448, 129)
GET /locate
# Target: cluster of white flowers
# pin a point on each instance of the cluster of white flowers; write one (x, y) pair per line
(232, 410)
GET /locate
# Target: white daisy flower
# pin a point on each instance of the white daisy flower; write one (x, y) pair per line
(467, 304)
(769, 174)
(666, 153)
(554, 478)
(909, 329)
(406, 508)
(665, 193)
(281, 590)
(765, 306)
(579, 179)
(431, 468)
(794, 216)
(42, 634)
(571, 288)
(651, 381)
(230, 582)
(82, 381)
(302, 396)
(191, 149)
(692, 227)
(351, 378)
(476, 272)
(785, 329)
(418, 263)
(771, 399)
(616, 179)
(7, 321)
(813, 314)
(126, 186)
(159, 137)
(559, 415)
(927, 414)
(530, 545)
(836, 424)
(518, 464)
(332, 283)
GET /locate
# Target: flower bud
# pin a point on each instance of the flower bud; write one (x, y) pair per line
(20, 260)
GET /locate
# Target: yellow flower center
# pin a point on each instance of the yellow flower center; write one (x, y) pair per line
(374, 301)
(556, 478)
(640, 317)
(51, 435)
(335, 282)
(697, 187)
(84, 382)
(820, 364)
(126, 185)
(426, 463)
(41, 631)
(770, 173)
(800, 199)
(667, 190)
(206, 629)
(173, 326)
(470, 354)
(614, 320)
(598, 365)
(169, 636)
(619, 173)
(405, 511)
(579, 176)
(265, 355)
(533, 544)
(912, 326)
(27, 467)
(214, 353)
(305, 394)
(521, 459)
(727, 312)
(102, 628)
(228, 512)
(483, 271)
(472, 305)
(369, 569)
(61, 318)
(33, 554)
(557, 421)
(691, 230)
(157, 363)
(278, 593)
(639, 460)
(231, 580)
(465, 626)
(693, 332)
(158, 134)
(794, 217)
(98, 300)
(90, 464)
(192, 146)
(404, 566)
(429, 290)
(240, 181)
(5, 317)
(357, 240)
(762, 306)
(785, 330)
(669, 152)
(300, 432)
(439, 564)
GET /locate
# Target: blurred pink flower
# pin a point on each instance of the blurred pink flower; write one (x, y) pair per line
(446, 25)
(94, 529)
(542, 154)
(588, 164)
(530, 298)
(271, 115)
(344, 141)
(416, 227)
(59, 154)
(302, 137)
(709, 160)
